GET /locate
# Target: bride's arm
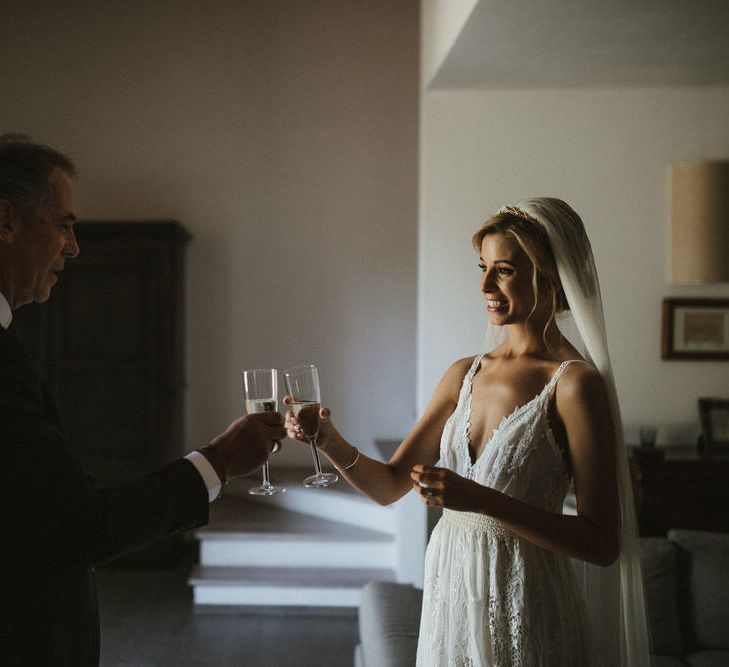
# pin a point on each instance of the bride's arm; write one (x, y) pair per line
(592, 535)
(387, 482)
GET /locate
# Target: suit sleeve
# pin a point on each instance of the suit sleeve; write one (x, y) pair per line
(51, 511)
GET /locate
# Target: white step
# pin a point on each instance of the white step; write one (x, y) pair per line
(252, 554)
(288, 551)
(339, 502)
(247, 534)
(311, 587)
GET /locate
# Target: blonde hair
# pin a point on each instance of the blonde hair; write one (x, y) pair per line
(533, 240)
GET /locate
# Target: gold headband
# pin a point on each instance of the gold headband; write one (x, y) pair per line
(512, 210)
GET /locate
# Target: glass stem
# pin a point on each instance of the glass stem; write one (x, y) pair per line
(266, 482)
(315, 456)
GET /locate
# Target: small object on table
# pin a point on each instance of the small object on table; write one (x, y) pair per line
(648, 449)
(647, 436)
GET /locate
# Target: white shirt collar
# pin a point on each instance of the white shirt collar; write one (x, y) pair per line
(6, 315)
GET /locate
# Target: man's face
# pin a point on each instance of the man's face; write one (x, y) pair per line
(38, 250)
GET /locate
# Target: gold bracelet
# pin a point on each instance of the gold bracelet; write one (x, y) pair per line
(356, 458)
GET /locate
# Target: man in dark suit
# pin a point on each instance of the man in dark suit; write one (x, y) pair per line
(55, 523)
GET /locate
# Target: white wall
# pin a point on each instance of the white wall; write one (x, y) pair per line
(607, 152)
(283, 135)
(441, 23)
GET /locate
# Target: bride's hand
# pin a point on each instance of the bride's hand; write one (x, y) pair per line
(295, 432)
(440, 487)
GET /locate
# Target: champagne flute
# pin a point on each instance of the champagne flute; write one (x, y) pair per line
(302, 385)
(261, 391)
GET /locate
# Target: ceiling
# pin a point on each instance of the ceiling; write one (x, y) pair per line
(581, 43)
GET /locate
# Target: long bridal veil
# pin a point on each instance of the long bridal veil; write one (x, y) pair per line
(614, 595)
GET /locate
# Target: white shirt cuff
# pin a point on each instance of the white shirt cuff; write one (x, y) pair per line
(207, 472)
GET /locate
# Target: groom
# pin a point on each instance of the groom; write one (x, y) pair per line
(56, 524)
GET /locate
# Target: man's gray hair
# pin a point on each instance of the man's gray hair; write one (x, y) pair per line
(24, 170)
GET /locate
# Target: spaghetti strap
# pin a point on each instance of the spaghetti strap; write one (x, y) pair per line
(476, 364)
(558, 373)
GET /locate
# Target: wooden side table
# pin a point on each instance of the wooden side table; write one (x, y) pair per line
(680, 490)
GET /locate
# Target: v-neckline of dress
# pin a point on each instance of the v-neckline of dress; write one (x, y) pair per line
(506, 418)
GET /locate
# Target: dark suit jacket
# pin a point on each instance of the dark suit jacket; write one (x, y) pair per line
(56, 525)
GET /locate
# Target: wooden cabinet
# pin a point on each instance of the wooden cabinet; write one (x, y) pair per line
(681, 490)
(110, 340)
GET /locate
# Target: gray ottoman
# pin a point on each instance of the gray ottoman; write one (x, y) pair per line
(389, 618)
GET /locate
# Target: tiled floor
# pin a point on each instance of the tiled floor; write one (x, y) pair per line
(147, 620)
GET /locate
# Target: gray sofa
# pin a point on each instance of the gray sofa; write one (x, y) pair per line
(687, 588)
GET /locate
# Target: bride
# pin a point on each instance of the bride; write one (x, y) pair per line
(509, 578)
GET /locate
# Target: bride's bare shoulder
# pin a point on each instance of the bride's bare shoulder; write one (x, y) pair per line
(448, 389)
(580, 379)
(453, 377)
(461, 366)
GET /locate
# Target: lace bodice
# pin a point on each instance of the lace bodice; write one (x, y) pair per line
(491, 597)
(521, 458)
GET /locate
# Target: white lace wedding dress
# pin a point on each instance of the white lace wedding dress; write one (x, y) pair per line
(490, 597)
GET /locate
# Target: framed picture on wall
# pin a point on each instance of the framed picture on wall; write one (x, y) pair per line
(714, 413)
(695, 329)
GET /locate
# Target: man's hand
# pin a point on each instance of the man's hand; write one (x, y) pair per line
(245, 445)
